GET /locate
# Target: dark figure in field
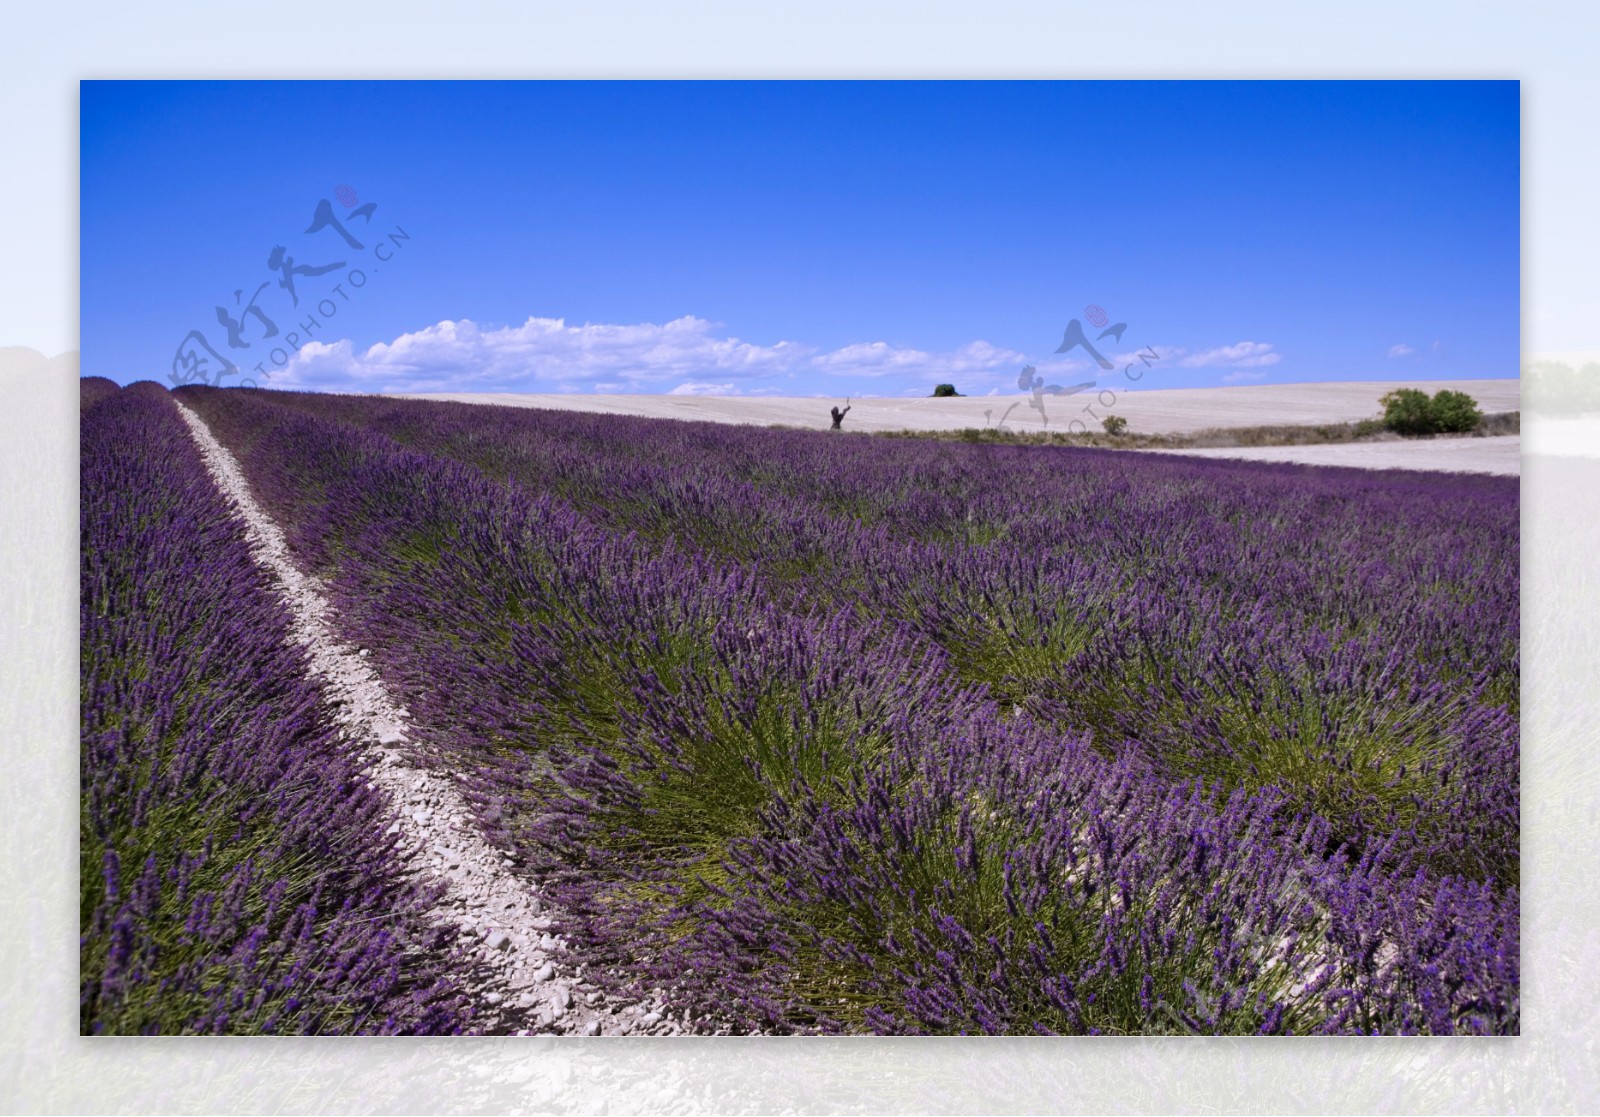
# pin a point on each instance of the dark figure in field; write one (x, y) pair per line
(838, 417)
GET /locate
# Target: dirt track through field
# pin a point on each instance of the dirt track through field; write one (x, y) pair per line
(1500, 454)
(520, 979)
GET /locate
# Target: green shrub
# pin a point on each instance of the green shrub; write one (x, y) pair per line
(940, 390)
(1114, 424)
(1408, 411)
(1455, 412)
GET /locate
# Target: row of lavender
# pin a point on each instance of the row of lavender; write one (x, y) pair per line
(235, 876)
(1346, 637)
(814, 817)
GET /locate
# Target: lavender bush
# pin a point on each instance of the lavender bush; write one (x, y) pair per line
(235, 875)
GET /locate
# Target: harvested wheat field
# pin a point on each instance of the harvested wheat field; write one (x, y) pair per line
(1152, 411)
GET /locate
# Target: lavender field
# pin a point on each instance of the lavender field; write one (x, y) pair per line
(231, 876)
(779, 731)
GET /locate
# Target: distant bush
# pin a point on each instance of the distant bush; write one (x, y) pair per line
(1455, 412)
(1409, 411)
(940, 390)
(1114, 424)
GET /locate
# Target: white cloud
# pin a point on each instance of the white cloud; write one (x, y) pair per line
(1244, 354)
(981, 356)
(878, 358)
(1401, 350)
(874, 358)
(547, 354)
(699, 388)
(689, 356)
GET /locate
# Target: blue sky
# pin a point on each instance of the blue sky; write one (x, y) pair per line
(798, 238)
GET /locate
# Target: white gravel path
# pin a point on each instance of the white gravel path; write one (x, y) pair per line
(521, 979)
(1493, 454)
